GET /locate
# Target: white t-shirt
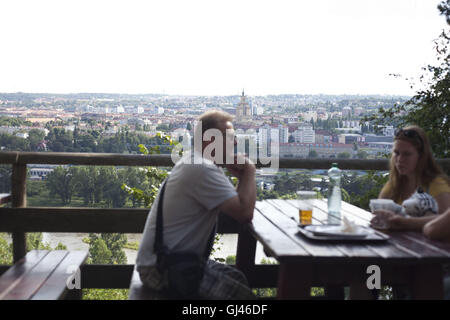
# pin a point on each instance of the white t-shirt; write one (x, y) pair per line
(191, 200)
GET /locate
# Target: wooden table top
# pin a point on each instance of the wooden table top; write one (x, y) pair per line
(275, 225)
(4, 198)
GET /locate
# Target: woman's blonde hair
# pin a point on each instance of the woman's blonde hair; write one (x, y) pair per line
(427, 169)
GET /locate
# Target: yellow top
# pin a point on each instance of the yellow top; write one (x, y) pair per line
(437, 186)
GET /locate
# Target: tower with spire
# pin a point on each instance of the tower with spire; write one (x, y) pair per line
(243, 110)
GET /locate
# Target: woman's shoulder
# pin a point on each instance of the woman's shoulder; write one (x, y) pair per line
(439, 185)
(387, 189)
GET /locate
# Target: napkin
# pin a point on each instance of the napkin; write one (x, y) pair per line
(348, 226)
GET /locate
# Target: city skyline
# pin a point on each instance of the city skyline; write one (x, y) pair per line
(209, 48)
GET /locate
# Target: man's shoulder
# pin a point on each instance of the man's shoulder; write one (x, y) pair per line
(198, 165)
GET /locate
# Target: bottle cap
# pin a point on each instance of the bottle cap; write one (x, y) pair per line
(334, 164)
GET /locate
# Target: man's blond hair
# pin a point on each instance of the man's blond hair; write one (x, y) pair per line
(212, 119)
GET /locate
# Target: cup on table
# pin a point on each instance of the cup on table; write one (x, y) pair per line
(380, 222)
(305, 204)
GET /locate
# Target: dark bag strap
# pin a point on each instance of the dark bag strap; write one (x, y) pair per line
(158, 246)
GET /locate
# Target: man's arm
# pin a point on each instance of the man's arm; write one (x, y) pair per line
(438, 228)
(241, 207)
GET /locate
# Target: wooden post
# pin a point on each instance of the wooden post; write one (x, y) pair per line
(246, 250)
(428, 282)
(19, 200)
(294, 281)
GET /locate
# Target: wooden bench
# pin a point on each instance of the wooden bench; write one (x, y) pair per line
(139, 292)
(42, 275)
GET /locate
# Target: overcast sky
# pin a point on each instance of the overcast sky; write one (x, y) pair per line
(213, 47)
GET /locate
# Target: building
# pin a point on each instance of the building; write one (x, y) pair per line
(243, 110)
(323, 150)
(156, 110)
(181, 132)
(304, 134)
(346, 112)
(22, 135)
(368, 138)
(39, 173)
(359, 111)
(284, 134)
(350, 138)
(139, 110)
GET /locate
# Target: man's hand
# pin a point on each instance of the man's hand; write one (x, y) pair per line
(241, 166)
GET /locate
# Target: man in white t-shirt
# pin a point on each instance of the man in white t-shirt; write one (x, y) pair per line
(195, 193)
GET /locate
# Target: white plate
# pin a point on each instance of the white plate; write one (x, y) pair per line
(336, 231)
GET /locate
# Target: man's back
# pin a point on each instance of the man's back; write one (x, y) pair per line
(193, 193)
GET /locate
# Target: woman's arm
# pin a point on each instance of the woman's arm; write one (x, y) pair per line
(438, 228)
(397, 222)
(443, 201)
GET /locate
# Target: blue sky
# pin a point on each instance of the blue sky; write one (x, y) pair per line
(212, 47)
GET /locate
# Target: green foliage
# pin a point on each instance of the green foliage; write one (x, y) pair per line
(217, 248)
(5, 178)
(360, 189)
(105, 294)
(14, 122)
(13, 143)
(313, 154)
(35, 242)
(266, 292)
(6, 254)
(290, 184)
(132, 245)
(429, 108)
(99, 252)
(266, 194)
(362, 154)
(107, 248)
(231, 260)
(151, 175)
(344, 155)
(59, 182)
(317, 292)
(35, 136)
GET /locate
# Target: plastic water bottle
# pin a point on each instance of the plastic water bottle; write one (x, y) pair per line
(334, 195)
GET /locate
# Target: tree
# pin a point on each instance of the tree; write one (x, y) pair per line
(361, 154)
(59, 182)
(6, 255)
(429, 108)
(344, 155)
(35, 136)
(107, 248)
(5, 178)
(313, 154)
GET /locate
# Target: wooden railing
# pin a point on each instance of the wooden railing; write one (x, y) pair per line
(20, 219)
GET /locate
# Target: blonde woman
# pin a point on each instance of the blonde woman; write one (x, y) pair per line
(412, 166)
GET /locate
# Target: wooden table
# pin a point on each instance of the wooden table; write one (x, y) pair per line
(5, 198)
(406, 258)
